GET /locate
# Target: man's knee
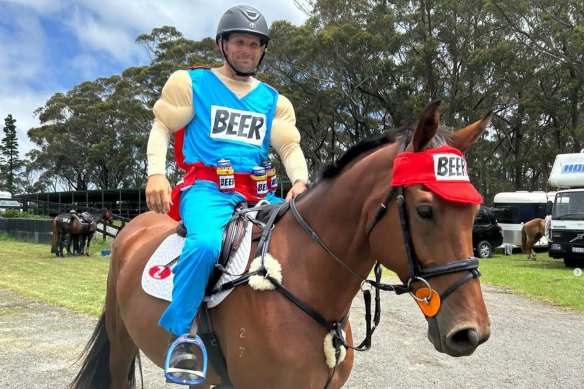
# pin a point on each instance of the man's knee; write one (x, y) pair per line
(208, 246)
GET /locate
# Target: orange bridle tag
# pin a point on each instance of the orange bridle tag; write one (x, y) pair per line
(429, 307)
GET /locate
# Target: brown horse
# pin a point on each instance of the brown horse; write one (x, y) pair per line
(354, 219)
(66, 225)
(531, 232)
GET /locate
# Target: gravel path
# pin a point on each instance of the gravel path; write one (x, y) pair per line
(531, 346)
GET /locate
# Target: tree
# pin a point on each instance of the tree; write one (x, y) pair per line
(357, 68)
(88, 136)
(10, 163)
(95, 135)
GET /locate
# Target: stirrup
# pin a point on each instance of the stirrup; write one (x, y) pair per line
(184, 376)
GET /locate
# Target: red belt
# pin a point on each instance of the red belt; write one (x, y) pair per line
(244, 185)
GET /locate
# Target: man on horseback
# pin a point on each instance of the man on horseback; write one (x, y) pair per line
(224, 121)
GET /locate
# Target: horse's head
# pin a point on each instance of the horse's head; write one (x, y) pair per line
(105, 215)
(434, 205)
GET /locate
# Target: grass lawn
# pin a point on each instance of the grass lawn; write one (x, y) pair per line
(78, 283)
(545, 279)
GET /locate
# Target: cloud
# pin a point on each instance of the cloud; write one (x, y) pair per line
(22, 50)
(22, 105)
(49, 46)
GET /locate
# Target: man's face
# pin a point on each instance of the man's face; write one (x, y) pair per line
(243, 51)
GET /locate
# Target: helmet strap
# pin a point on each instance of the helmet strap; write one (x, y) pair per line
(237, 72)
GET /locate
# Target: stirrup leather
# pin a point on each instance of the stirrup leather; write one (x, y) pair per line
(184, 376)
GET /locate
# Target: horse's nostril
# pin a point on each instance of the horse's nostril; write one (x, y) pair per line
(463, 342)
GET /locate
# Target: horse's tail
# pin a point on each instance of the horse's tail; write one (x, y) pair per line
(95, 372)
(55, 237)
(523, 240)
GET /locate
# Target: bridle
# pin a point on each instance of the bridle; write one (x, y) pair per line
(416, 272)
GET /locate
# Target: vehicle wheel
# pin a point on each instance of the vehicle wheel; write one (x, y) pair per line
(572, 262)
(484, 249)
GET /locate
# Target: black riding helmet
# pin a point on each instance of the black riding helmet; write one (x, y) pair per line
(246, 20)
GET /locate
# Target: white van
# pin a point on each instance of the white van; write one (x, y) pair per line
(7, 202)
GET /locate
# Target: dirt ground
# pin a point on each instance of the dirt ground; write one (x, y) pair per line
(532, 346)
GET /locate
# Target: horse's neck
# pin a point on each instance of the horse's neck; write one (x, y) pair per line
(338, 210)
(339, 224)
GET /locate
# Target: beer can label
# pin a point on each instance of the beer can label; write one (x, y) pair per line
(262, 188)
(226, 182)
(224, 167)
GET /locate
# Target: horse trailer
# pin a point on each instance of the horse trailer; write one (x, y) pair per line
(513, 209)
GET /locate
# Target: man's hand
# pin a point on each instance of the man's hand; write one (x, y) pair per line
(158, 192)
(298, 187)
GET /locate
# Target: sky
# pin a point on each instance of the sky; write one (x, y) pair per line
(49, 46)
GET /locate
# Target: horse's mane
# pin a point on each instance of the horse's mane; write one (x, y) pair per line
(359, 150)
(369, 144)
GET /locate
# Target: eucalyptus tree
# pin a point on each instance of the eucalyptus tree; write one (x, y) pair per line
(544, 77)
(82, 138)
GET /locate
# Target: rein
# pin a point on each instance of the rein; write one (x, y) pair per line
(416, 273)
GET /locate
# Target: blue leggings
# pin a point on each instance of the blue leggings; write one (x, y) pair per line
(205, 211)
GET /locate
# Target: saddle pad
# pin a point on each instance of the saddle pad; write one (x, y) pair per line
(157, 279)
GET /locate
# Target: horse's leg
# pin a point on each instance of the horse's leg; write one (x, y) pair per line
(123, 350)
(68, 242)
(77, 245)
(62, 244)
(58, 249)
(529, 250)
(89, 236)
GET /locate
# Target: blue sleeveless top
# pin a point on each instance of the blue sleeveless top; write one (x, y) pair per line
(227, 127)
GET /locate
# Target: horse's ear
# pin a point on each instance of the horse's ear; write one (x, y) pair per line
(426, 127)
(465, 137)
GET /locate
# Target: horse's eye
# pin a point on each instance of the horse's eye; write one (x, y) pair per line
(425, 212)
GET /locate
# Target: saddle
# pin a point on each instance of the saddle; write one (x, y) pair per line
(234, 233)
(84, 217)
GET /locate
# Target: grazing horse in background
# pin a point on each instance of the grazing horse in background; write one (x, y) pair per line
(531, 232)
(327, 244)
(67, 224)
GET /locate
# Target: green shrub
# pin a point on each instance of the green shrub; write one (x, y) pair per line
(15, 214)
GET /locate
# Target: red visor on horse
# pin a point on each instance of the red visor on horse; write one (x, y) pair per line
(442, 170)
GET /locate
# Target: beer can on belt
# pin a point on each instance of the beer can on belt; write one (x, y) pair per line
(225, 175)
(258, 176)
(271, 176)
